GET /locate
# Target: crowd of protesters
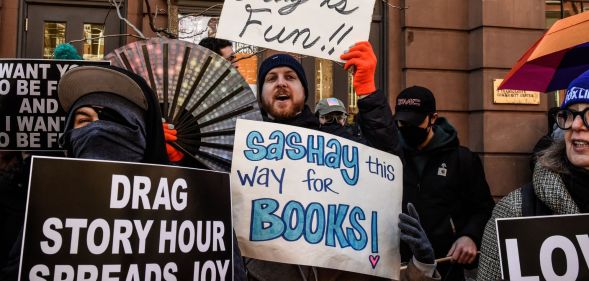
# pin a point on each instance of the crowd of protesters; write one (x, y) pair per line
(448, 210)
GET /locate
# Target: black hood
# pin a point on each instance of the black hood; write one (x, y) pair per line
(155, 150)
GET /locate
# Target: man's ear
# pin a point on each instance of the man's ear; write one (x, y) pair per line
(433, 118)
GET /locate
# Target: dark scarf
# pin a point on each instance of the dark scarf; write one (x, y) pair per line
(577, 183)
(121, 139)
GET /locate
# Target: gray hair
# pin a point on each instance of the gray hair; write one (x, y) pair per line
(553, 157)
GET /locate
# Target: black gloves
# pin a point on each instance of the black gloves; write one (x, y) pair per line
(414, 236)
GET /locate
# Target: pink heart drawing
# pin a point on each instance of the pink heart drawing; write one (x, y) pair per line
(374, 260)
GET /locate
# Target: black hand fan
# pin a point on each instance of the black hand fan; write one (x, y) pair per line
(199, 92)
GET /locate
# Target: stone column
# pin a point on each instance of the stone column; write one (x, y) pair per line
(436, 46)
(504, 135)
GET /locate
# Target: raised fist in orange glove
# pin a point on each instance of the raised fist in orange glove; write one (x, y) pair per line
(170, 135)
(362, 56)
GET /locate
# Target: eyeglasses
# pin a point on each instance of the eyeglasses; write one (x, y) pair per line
(566, 117)
(329, 118)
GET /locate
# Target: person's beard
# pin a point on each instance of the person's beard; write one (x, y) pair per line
(282, 109)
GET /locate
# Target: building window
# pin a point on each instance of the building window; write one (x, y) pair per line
(53, 35)
(195, 28)
(323, 79)
(569, 8)
(93, 45)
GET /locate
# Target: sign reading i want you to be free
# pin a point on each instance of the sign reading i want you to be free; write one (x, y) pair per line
(30, 115)
(544, 248)
(96, 220)
(305, 197)
(319, 28)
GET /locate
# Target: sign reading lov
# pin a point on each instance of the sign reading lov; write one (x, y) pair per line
(30, 115)
(95, 220)
(533, 249)
(305, 197)
(319, 28)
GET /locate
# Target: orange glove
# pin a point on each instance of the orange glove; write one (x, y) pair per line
(362, 56)
(170, 135)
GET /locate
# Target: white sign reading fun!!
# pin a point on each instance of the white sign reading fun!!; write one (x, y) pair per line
(305, 197)
(319, 28)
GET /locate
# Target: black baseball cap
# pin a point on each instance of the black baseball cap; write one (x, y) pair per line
(414, 104)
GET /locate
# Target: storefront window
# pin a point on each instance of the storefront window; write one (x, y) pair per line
(53, 35)
(93, 45)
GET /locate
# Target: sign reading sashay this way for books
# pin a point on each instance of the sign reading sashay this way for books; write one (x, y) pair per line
(305, 197)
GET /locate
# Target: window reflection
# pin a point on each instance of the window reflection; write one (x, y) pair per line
(94, 44)
(53, 35)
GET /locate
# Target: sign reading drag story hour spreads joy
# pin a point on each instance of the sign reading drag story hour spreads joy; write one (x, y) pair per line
(319, 28)
(104, 220)
(305, 197)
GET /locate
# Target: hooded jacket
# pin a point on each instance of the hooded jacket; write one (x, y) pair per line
(550, 187)
(375, 119)
(446, 183)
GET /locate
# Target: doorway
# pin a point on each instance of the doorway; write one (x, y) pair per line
(48, 25)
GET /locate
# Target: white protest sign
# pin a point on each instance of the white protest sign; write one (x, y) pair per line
(319, 28)
(305, 197)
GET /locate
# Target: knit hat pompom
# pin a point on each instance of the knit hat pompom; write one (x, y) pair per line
(66, 51)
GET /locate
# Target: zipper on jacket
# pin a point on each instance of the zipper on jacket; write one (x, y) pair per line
(453, 226)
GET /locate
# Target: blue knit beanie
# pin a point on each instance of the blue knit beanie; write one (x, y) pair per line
(578, 91)
(281, 60)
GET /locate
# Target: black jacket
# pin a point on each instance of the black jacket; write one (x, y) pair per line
(375, 119)
(446, 183)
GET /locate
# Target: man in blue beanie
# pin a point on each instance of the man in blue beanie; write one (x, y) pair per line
(282, 92)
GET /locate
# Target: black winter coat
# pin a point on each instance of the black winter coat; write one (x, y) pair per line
(375, 119)
(450, 194)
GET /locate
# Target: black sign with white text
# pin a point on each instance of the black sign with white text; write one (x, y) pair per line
(544, 248)
(95, 220)
(30, 115)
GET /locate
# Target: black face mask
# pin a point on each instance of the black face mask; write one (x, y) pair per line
(413, 136)
(105, 140)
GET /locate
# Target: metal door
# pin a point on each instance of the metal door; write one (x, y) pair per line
(70, 21)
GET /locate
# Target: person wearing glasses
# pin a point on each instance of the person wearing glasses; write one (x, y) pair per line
(560, 182)
(333, 116)
(222, 47)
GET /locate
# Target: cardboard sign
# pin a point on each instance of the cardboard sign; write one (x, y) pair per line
(319, 28)
(305, 197)
(544, 248)
(93, 220)
(30, 115)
